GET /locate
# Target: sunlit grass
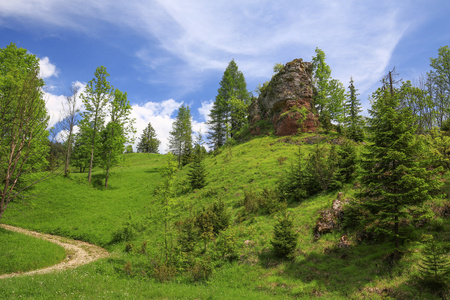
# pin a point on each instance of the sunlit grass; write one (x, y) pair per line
(21, 253)
(73, 208)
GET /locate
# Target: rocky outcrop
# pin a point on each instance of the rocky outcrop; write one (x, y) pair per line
(329, 218)
(287, 101)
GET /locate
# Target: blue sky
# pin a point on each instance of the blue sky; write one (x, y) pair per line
(165, 53)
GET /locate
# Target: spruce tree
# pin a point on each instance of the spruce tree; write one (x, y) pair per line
(149, 143)
(393, 176)
(284, 238)
(229, 110)
(435, 266)
(180, 140)
(197, 173)
(353, 122)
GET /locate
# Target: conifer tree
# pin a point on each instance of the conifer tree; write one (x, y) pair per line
(149, 143)
(353, 121)
(435, 266)
(230, 107)
(285, 238)
(180, 140)
(197, 173)
(393, 176)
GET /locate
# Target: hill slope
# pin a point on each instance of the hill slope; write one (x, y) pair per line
(127, 219)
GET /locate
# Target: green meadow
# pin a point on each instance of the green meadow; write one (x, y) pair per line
(127, 219)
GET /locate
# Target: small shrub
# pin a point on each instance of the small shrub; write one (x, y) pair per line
(281, 160)
(434, 267)
(201, 270)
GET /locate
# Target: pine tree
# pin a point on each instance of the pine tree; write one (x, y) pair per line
(180, 140)
(149, 142)
(353, 122)
(285, 238)
(229, 110)
(393, 176)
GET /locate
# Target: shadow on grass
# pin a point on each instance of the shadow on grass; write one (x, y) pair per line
(337, 271)
(152, 170)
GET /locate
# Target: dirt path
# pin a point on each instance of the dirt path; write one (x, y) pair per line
(77, 252)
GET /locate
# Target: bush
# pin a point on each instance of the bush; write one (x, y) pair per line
(434, 267)
(266, 202)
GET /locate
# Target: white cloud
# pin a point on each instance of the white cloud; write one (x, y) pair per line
(55, 103)
(191, 37)
(47, 69)
(159, 115)
(162, 115)
(205, 109)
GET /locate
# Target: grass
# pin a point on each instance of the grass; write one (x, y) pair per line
(21, 253)
(73, 208)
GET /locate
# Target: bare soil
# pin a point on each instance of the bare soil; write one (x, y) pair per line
(78, 253)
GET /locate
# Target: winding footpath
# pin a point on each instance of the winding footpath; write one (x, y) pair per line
(78, 253)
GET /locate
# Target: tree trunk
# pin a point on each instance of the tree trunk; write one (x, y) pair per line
(69, 144)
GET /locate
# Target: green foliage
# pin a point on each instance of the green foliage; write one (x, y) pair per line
(97, 95)
(229, 111)
(323, 167)
(326, 168)
(285, 238)
(197, 172)
(278, 67)
(266, 202)
(180, 140)
(439, 84)
(439, 149)
(329, 93)
(394, 178)
(82, 149)
(435, 267)
(23, 122)
(130, 227)
(116, 132)
(149, 142)
(129, 149)
(165, 193)
(353, 121)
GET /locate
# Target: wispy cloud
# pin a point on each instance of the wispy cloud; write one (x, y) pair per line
(191, 37)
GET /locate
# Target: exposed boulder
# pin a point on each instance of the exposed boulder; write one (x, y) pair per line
(329, 218)
(287, 101)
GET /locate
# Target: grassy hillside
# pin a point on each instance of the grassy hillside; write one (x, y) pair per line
(21, 253)
(127, 220)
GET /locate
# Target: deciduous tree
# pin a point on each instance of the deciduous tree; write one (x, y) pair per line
(95, 99)
(23, 122)
(329, 93)
(116, 133)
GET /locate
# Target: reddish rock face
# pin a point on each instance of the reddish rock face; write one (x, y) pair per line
(287, 101)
